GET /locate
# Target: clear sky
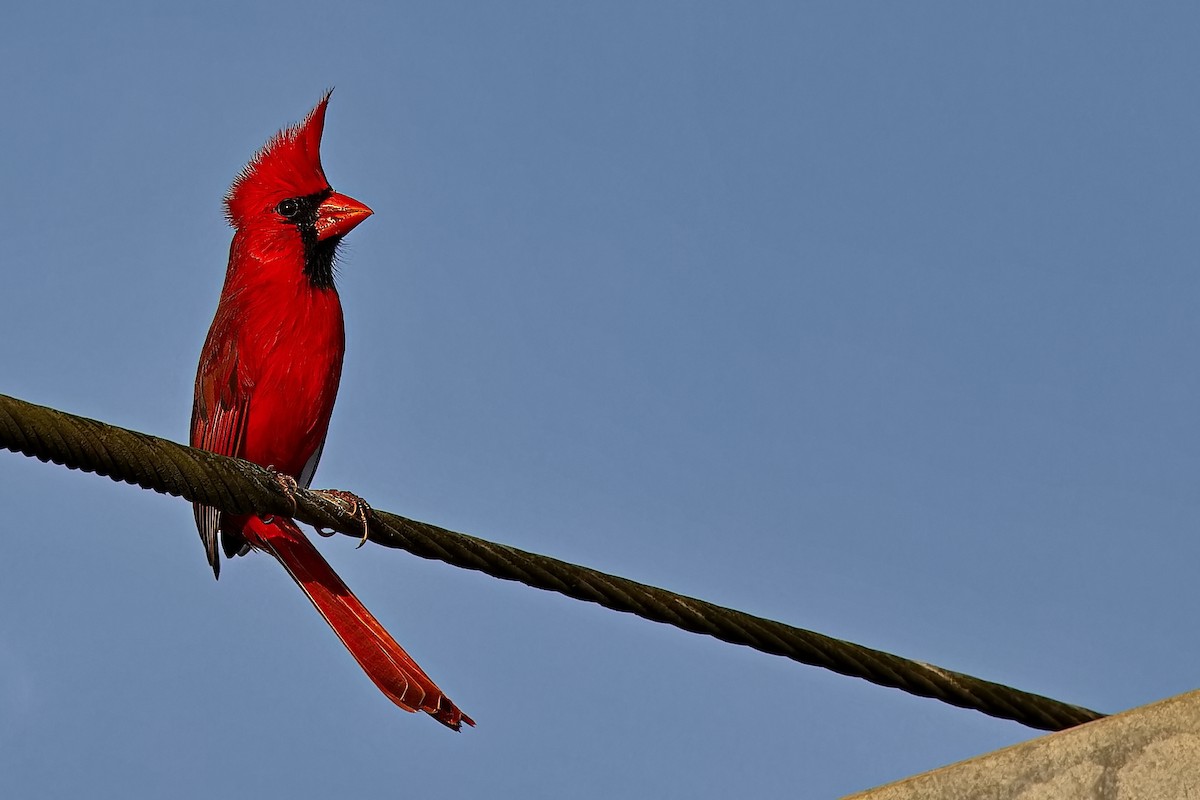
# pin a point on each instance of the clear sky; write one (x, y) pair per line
(875, 318)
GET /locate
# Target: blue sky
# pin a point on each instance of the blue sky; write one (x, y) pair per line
(878, 319)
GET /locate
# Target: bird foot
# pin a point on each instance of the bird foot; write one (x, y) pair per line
(350, 503)
(289, 486)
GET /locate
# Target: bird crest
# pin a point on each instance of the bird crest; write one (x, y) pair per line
(288, 165)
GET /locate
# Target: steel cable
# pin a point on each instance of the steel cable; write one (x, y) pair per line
(239, 487)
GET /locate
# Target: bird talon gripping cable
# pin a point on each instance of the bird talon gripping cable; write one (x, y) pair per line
(268, 376)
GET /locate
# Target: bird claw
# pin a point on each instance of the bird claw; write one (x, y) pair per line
(288, 485)
(351, 503)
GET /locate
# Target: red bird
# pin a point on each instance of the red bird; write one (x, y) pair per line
(268, 377)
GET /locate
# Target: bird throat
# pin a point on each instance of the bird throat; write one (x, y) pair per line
(319, 257)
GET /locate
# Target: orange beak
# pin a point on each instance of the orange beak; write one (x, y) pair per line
(338, 215)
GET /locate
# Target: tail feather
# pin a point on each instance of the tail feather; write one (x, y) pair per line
(381, 657)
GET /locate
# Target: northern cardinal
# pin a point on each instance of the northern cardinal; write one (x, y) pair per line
(268, 377)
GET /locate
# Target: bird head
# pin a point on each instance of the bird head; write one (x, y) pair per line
(283, 198)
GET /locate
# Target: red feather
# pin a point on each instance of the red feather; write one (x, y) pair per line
(268, 378)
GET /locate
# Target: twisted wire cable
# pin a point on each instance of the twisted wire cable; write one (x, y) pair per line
(240, 487)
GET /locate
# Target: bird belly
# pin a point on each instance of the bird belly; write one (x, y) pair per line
(293, 393)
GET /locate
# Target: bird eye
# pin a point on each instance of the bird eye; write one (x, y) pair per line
(288, 209)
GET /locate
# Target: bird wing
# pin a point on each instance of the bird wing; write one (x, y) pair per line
(219, 414)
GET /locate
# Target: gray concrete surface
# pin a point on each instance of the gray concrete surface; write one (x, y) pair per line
(1147, 753)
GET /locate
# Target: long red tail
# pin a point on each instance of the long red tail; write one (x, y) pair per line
(380, 656)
